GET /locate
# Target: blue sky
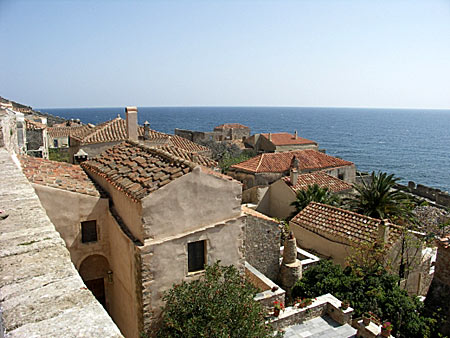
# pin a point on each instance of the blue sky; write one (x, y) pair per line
(333, 53)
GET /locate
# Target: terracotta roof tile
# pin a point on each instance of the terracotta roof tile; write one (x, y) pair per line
(320, 178)
(282, 139)
(34, 125)
(59, 175)
(138, 170)
(116, 130)
(309, 159)
(65, 131)
(190, 156)
(341, 225)
(231, 126)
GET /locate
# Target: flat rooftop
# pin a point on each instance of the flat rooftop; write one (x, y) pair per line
(323, 327)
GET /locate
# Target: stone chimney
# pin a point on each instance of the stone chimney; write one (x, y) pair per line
(383, 232)
(291, 267)
(295, 134)
(132, 127)
(294, 176)
(270, 136)
(146, 130)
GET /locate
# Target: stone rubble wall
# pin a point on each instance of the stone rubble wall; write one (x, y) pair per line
(262, 245)
(41, 293)
(440, 197)
(8, 131)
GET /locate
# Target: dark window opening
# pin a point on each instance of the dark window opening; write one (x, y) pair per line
(196, 256)
(55, 143)
(97, 287)
(89, 231)
(341, 176)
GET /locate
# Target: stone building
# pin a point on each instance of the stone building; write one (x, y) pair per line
(276, 202)
(58, 135)
(437, 297)
(334, 233)
(279, 142)
(36, 138)
(224, 132)
(267, 168)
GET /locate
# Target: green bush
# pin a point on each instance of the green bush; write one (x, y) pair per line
(377, 292)
(220, 304)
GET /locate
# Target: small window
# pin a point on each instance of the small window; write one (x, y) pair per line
(196, 256)
(89, 231)
(341, 176)
(55, 143)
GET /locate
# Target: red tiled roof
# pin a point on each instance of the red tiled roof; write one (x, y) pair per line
(137, 170)
(190, 156)
(341, 225)
(231, 126)
(59, 175)
(33, 125)
(282, 139)
(116, 130)
(186, 144)
(320, 178)
(67, 131)
(309, 159)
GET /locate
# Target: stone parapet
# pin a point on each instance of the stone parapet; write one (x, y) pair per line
(41, 293)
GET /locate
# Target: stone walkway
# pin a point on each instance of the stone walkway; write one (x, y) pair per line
(41, 293)
(319, 327)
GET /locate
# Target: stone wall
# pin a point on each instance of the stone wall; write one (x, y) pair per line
(262, 243)
(8, 131)
(437, 296)
(41, 293)
(440, 197)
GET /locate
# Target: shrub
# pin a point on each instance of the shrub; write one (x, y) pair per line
(220, 304)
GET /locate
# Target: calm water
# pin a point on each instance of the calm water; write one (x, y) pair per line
(413, 144)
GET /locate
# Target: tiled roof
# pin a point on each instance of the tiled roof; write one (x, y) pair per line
(137, 170)
(341, 225)
(320, 178)
(67, 131)
(257, 214)
(109, 131)
(116, 130)
(309, 159)
(281, 139)
(190, 156)
(186, 144)
(59, 175)
(231, 126)
(33, 125)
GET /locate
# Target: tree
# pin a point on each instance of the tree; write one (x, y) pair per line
(375, 291)
(313, 193)
(220, 304)
(379, 199)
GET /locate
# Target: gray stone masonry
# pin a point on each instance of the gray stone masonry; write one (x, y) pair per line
(291, 267)
(41, 293)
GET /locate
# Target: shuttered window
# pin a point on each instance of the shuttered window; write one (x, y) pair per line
(196, 256)
(89, 231)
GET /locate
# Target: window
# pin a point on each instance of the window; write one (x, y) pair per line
(88, 231)
(341, 176)
(55, 143)
(196, 256)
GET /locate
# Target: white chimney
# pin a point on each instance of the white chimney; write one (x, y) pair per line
(132, 127)
(295, 135)
(146, 130)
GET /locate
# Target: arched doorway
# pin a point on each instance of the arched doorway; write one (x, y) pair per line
(94, 272)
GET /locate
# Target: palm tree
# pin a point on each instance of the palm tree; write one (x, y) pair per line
(379, 199)
(313, 193)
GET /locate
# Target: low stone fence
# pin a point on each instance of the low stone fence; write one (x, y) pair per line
(270, 292)
(441, 198)
(307, 259)
(323, 305)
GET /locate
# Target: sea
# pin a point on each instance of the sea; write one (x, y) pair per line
(413, 144)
